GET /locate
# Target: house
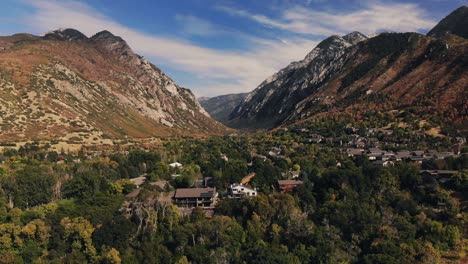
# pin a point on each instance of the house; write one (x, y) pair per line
(383, 163)
(417, 160)
(402, 155)
(175, 165)
(388, 156)
(288, 185)
(438, 173)
(354, 152)
(294, 174)
(418, 153)
(315, 138)
(238, 191)
(374, 153)
(443, 155)
(360, 144)
(195, 197)
(274, 151)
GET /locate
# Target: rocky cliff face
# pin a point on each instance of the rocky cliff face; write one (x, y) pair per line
(271, 102)
(355, 76)
(68, 85)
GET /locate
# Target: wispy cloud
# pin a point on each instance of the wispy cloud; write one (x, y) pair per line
(236, 71)
(371, 18)
(193, 25)
(212, 71)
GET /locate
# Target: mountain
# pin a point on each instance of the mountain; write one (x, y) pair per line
(456, 23)
(66, 85)
(406, 74)
(276, 97)
(220, 107)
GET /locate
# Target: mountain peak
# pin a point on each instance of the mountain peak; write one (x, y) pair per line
(355, 37)
(103, 34)
(69, 34)
(106, 36)
(455, 23)
(106, 41)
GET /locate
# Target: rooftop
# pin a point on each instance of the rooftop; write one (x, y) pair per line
(194, 192)
(289, 182)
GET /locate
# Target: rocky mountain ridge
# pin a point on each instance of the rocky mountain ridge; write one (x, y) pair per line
(65, 83)
(360, 77)
(278, 95)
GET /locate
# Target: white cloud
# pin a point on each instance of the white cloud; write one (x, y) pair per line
(213, 71)
(373, 17)
(245, 69)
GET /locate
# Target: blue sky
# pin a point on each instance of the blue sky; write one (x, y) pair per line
(223, 46)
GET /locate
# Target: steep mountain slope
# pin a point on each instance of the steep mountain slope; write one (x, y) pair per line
(68, 85)
(220, 107)
(456, 23)
(404, 73)
(277, 96)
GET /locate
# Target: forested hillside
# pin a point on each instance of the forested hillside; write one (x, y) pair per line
(85, 207)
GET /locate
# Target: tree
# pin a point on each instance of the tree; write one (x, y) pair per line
(78, 233)
(34, 185)
(110, 256)
(85, 185)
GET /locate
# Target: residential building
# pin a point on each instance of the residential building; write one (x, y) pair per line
(195, 197)
(238, 191)
(175, 165)
(288, 185)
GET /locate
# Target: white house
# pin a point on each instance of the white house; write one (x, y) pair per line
(238, 191)
(175, 165)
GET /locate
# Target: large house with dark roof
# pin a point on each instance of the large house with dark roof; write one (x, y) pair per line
(195, 197)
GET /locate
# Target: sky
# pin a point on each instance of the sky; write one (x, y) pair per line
(216, 47)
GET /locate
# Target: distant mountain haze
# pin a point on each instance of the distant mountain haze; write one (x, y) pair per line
(220, 107)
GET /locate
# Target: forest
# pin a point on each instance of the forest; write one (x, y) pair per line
(59, 207)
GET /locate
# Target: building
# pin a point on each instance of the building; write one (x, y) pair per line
(352, 152)
(175, 165)
(195, 197)
(294, 174)
(238, 191)
(383, 163)
(288, 185)
(438, 173)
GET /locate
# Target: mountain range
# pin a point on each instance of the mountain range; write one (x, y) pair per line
(422, 76)
(65, 85)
